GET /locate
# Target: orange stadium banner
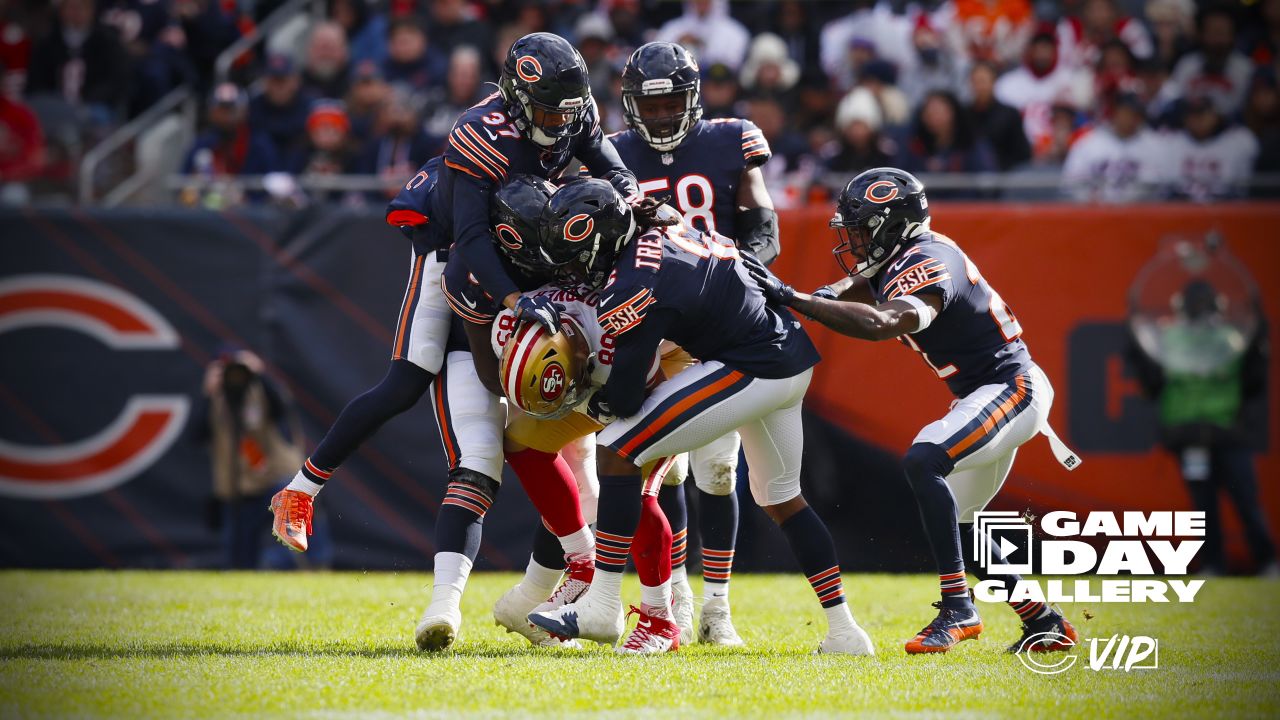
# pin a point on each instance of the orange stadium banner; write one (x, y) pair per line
(1065, 270)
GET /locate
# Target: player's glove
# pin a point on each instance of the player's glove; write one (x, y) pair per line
(539, 310)
(624, 183)
(598, 409)
(775, 291)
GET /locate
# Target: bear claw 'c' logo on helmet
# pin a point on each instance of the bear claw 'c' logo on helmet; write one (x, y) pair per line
(585, 225)
(574, 235)
(877, 213)
(528, 68)
(546, 375)
(513, 214)
(881, 192)
(508, 236)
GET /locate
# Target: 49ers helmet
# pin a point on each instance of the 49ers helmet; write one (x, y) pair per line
(877, 213)
(546, 375)
(545, 88)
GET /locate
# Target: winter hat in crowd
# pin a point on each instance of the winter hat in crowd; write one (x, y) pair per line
(859, 104)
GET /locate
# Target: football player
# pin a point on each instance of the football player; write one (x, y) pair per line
(908, 282)
(712, 171)
(690, 287)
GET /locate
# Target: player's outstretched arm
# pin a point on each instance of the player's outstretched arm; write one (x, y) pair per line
(756, 219)
(871, 322)
(482, 356)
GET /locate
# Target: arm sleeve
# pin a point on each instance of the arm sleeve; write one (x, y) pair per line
(758, 232)
(755, 148)
(633, 357)
(471, 235)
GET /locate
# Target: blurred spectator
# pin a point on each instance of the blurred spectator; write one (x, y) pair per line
(15, 51)
(367, 93)
(719, 92)
(1039, 83)
(991, 120)
(280, 110)
(629, 29)
(137, 22)
(1261, 42)
(790, 171)
(1216, 69)
(21, 142)
(870, 30)
(816, 103)
(768, 69)
(410, 61)
(1066, 126)
(81, 61)
(932, 65)
(399, 146)
(879, 77)
(594, 36)
(453, 23)
(1121, 161)
(708, 32)
(794, 22)
(1262, 116)
(366, 30)
(1081, 39)
(462, 89)
(330, 149)
(326, 71)
(942, 140)
(1172, 26)
(164, 67)
(1210, 158)
(254, 447)
(209, 27)
(1116, 71)
(861, 146)
(228, 145)
(993, 30)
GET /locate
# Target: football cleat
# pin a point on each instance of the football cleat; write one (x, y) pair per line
(853, 641)
(292, 524)
(715, 627)
(437, 630)
(577, 580)
(651, 635)
(589, 618)
(512, 613)
(1051, 633)
(950, 627)
(682, 609)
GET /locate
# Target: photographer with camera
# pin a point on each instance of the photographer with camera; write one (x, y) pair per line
(254, 442)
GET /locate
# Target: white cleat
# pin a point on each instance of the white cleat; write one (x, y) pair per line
(437, 630)
(651, 636)
(682, 610)
(854, 641)
(589, 619)
(511, 612)
(716, 626)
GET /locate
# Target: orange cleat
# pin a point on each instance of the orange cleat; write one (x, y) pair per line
(1051, 633)
(292, 524)
(950, 627)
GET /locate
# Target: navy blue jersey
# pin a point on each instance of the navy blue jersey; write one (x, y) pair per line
(702, 175)
(469, 300)
(691, 288)
(412, 210)
(975, 340)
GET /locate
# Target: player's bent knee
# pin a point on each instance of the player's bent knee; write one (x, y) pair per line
(475, 481)
(679, 470)
(925, 463)
(716, 478)
(611, 463)
(780, 512)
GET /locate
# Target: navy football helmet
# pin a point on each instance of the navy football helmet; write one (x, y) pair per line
(545, 87)
(661, 69)
(513, 218)
(877, 213)
(585, 226)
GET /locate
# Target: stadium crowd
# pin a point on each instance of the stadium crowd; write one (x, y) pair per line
(1121, 100)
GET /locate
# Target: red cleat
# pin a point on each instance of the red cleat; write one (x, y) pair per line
(651, 635)
(292, 523)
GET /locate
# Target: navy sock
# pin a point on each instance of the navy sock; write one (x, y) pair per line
(1026, 609)
(812, 545)
(617, 517)
(927, 467)
(671, 499)
(547, 551)
(461, 520)
(718, 526)
(398, 391)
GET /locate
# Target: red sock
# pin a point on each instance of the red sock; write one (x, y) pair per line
(547, 480)
(651, 549)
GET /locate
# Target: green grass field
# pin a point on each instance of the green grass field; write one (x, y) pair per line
(174, 644)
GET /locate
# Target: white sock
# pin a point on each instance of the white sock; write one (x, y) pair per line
(581, 543)
(606, 586)
(657, 599)
(715, 592)
(303, 485)
(679, 576)
(839, 618)
(449, 579)
(539, 581)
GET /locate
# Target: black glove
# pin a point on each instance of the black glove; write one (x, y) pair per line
(539, 310)
(775, 291)
(624, 183)
(598, 408)
(825, 292)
